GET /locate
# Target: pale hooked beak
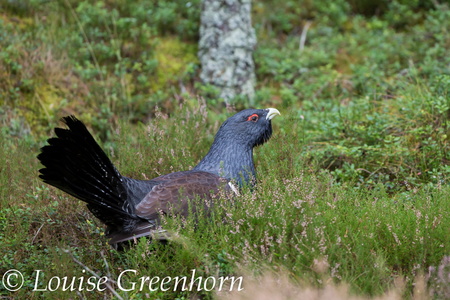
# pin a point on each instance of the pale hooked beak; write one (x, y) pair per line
(272, 113)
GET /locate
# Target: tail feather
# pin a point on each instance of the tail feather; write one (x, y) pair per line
(76, 164)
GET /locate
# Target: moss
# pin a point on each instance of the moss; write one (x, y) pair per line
(174, 60)
(41, 106)
(20, 23)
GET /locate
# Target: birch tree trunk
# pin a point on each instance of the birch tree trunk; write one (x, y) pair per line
(227, 41)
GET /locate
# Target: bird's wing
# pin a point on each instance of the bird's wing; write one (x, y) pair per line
(172, 195)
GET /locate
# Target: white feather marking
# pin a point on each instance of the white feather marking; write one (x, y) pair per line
(233, 188)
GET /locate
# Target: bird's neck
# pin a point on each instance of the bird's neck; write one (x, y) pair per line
(229, 160)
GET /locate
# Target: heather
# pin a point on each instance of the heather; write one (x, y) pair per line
(353, 187)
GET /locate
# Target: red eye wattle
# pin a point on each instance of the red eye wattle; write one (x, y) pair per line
(253, 118)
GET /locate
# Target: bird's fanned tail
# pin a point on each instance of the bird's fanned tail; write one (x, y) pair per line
(76, 164)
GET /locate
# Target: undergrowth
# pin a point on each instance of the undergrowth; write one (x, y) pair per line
(353, 187)
(296, 217)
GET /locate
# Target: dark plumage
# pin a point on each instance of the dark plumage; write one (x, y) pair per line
(75, 164)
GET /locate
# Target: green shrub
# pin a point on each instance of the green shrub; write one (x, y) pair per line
(355, 176)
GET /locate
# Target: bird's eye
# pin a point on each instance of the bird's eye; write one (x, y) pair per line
(253, 118)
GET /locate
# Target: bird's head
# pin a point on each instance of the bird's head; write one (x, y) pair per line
(250, 127)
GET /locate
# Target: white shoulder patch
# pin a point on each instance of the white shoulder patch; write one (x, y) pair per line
(233, 188)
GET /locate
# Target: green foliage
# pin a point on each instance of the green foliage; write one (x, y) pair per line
(356, 175)
(369, 94)
(111, 58)
(400, 144)
(295, 216)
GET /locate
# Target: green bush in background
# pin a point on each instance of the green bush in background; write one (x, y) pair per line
(356, 174)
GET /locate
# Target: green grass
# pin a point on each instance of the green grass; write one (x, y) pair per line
(353, 186)
(296, 216)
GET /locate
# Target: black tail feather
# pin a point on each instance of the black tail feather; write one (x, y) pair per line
(76, 164)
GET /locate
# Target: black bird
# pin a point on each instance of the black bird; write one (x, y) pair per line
(75, 164)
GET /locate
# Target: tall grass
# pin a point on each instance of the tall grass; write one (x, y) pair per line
(295, 218)
(353, 187)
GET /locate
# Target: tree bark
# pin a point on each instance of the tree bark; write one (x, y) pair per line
(227, 41)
